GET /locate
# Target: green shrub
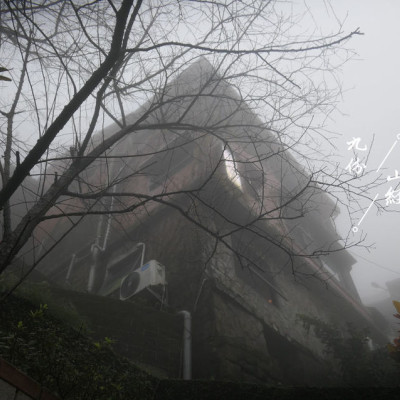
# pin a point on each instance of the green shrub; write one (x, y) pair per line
(357, 364)
(64, 360)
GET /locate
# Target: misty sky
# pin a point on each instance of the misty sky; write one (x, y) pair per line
(371, 108)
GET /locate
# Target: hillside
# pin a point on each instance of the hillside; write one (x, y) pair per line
(64, 357)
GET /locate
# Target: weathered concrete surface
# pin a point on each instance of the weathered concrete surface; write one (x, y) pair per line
(148, 336)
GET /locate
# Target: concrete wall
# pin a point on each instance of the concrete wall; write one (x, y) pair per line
(148, 336)
(257, 336)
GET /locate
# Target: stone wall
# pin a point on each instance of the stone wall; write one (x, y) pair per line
(233, 343)
(254, 338)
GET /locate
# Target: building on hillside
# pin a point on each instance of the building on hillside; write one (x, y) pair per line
(213, 196)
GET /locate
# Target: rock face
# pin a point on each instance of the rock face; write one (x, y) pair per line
(222, 206)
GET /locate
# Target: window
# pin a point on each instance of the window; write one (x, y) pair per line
(245, 172)
(254, 269)
(231, 169)
(254, 177)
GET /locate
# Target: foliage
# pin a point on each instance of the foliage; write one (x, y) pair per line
(2, 77)
(357, 364)
(65, 361)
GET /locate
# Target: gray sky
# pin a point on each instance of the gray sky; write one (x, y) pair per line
(370, 107)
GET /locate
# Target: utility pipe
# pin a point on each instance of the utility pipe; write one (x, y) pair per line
(96, 249)
(70, 268)
(143, 251)
(187, 344)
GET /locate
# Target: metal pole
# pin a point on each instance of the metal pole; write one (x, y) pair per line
(187, 344)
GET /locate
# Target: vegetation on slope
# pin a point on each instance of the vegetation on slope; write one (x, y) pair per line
(358, 365)
(63, 359)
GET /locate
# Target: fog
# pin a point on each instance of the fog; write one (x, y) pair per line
(369, 110)
(264, 328)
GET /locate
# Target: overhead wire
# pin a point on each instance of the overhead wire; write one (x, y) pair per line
(376, 264)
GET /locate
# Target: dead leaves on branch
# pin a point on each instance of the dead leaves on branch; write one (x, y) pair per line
(2, 77)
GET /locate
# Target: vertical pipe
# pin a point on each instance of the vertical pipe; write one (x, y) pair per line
(70, 268)
(143, 251)
(96, 249)
(187, 344)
